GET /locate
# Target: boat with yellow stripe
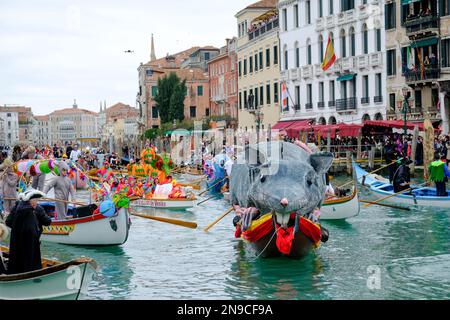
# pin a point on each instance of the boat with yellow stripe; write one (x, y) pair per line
(269, 239)
(338, 208)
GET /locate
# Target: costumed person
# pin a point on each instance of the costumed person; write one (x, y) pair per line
(63, 188)
(391, 155)
(74, 154)
(38, 179)
(4, 233)
(329, 190)
(26, 221)
(8, 185)
(162, 191)
(402, 177)
(439, 174)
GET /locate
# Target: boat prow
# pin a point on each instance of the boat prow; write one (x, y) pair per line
(90, 230)
(55, 281)
(420, 196)
(341, 208)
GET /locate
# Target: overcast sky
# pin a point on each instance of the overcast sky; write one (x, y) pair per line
(52, 52)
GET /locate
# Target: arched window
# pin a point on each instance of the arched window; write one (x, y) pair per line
(320, 44)
(297, 55)
(343, 44)
(378, 116)
(322, 121)
(352, 42)
(365, 39)
(332, 120)
(366, 117)
(332, 39)
(308, 51)
(286, 62)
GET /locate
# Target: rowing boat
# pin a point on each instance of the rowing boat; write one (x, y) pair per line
(422, 196)
(55, 281)
(89, 229)
(178, 203)
(340, 208)
(263, 237)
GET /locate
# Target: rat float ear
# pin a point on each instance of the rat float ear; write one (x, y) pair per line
(321, 162)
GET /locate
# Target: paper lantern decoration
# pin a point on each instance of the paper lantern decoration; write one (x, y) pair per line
(33, 171)
(22, 166)
(46, 166)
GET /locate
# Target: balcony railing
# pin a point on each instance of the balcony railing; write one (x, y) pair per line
(376, 59)
(318, 70)
(330, 22)
(378, 99)
(363, 61)
(307, 71)
(347, 64)
(320, 24)
(347, 104)
(365, 100)
(363, 11)
(294, 73)
(427, 75)
(321, 104)
(331, 104)
(263, 29)
(308, 106)
(419, 23)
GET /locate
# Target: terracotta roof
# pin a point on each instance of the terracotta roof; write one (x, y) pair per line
(121, 111)
(72, 111)
(42, 118)
(196, 74)
(263, 4)
(179, 57)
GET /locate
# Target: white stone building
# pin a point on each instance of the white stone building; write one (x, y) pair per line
(354, 88)
(9, 134)
(42, 134)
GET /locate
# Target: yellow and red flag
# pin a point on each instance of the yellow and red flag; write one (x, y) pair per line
(330, 57)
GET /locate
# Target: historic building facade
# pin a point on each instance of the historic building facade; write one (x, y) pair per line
(258, 66)
(418, 56)
(353, 88)
(223, 82)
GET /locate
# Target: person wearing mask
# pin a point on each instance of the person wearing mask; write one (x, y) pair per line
(8, 185)
(63, 188)
(439, 174)
(402, 177)
(74, 154)
(39, 179)
(26, 221)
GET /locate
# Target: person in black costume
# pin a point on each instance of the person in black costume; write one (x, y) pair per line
(26, 220)
(391, 154)
(402, 177)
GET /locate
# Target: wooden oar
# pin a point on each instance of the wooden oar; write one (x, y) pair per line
(54, 200)
(388, 165)
(182, 223)
(386, 205)
(221, 217)
(206, 200)
(215, 184)
(392, 195)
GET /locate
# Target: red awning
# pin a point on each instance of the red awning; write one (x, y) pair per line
(349, 130)
(324, 129)
(299, 126)
(399, 124)
(282, 125)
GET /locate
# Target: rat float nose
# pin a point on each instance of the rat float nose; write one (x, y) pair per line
(284, 202)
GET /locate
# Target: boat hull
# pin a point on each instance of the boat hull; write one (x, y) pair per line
(262, 237)
(381, 187)
(95, 230)
(61, 281)
(164, 203)
(342, 208)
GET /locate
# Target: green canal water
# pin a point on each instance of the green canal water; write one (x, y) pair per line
(409, 250)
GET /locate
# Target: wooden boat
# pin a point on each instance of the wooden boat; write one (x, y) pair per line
(55, 281)
(262, 236)
(340, 208)
(422, 196)
(179, 203)
(89, 229)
